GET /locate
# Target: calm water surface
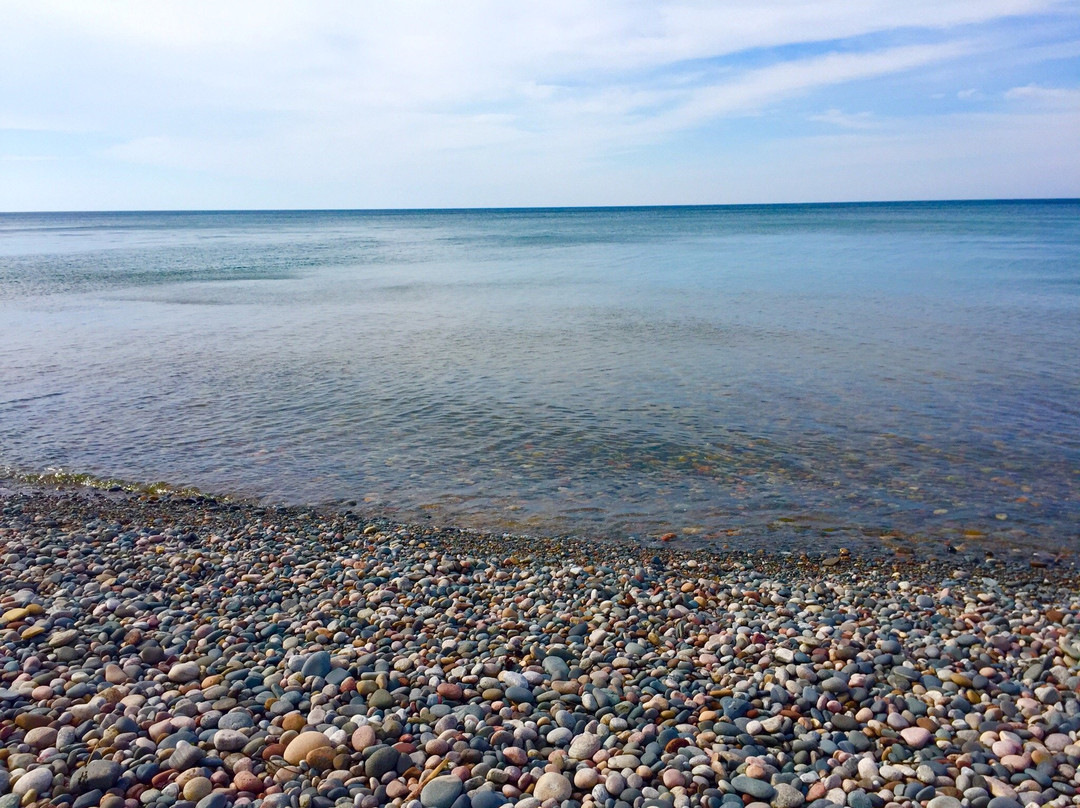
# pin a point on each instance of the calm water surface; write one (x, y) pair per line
(780, 375)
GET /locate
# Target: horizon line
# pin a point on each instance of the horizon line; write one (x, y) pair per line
(489, 208)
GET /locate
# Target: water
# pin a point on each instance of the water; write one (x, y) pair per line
(778, 375)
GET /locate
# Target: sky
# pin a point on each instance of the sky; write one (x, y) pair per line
(316, 104)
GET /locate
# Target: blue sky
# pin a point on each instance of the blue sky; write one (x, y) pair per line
(179, 105)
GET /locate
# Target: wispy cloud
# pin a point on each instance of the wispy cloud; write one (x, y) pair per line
(846, 120)
(1057, 97)
(482, 102)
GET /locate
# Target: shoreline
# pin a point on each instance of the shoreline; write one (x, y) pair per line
(179, 651)
(972, 549)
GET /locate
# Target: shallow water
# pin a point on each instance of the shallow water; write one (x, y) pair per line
(782, 374)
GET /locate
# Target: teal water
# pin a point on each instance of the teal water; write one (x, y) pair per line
(765, 375)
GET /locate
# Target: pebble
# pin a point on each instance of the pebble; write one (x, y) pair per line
(100, 775)
(183, 672)
(441, 792)
(916, 737)
(584, 746)
(303, 745)
(553, 786)
(178, 652)
(787, 796)
(758, 789)
(36, 780)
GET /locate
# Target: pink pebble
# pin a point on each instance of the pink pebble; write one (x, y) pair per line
(916, 737)
(586, 779)
(1014, 763)
(1003, 748)
(516, 755)
(673, 778)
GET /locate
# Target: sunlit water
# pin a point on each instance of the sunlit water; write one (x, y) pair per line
(781, 375)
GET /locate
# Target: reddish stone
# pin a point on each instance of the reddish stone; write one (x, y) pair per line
(162, 778)
(449, 690)
(246, 781)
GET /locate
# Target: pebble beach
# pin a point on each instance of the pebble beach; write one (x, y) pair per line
(184, 652)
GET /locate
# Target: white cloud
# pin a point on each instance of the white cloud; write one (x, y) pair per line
(380, 103)
(847, 120)
(750, 92)
(1056, 97)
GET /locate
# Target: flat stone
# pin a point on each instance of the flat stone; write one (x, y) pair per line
(236, 719)
(62, 638)
(943, 801)
(441, 792)
(216, 799)
(520, 695)
(98, 775)
(38, 780)
(758, 789)
(183, 672)
(41, 737)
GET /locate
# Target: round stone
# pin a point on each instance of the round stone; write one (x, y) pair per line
(585, 779)
(229, 740)
(196, 788)
(246, 781)
(321, 759)
(672, 778)
(381, 761)
(236, 719)
(520, 695)
(916, 737)
(552, 786)
(451, 691)
(584, 746)
(787, 796)
(381, 699)
(303, 744)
